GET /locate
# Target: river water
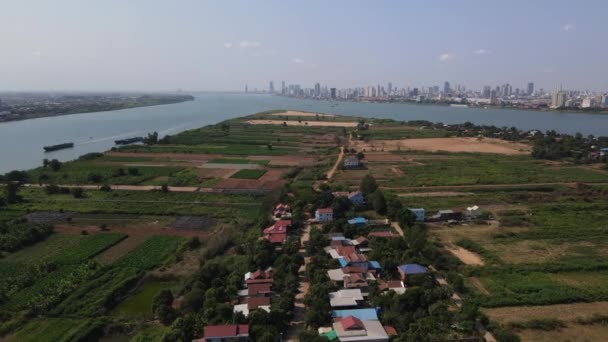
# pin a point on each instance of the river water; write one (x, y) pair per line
(21, 142)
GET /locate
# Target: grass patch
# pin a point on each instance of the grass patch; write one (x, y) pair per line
(237, 161)
(56, 330)
(139, 305)
(248, 174)
(151, 253)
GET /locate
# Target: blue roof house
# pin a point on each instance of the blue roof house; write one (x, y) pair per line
(411, 269)
(419, 213)
(357, 221)
(362, 314)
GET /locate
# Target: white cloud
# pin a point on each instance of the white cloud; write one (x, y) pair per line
(297, 60)
(446, 57)
(227, 45)
(482, 52)
(568, 27)
(249, 44)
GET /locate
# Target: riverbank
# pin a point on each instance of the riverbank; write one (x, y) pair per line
(26, 107)
(598, 111)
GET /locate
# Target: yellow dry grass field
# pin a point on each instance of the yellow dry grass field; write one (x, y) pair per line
(304, 123)
(564, 312)
(302, 114)
(436, 194)
(572, 333)
(474, 145)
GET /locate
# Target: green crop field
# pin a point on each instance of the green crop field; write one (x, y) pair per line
(536, 288)
(248, 174)
(237, 161)
(96, 296)
(53, 246)
(55, 330)
(151, 253)
(471, 169)
(145, 203)
(88, 248)
(139, 305)
(83, 172)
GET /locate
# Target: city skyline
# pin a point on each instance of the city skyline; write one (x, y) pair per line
(159, 46)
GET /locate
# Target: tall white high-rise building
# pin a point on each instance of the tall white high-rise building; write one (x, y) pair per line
(558, 98)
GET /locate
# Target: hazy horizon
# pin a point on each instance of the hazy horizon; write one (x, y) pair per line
(154, 46)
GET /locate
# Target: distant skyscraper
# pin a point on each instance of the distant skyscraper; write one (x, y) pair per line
(446, 87)
(317, 89)
(558, 98)
(283, 90)
(487, 91)
(246, 89)
(333, 92)
(390, 88)
(271, 87)
(530, 88)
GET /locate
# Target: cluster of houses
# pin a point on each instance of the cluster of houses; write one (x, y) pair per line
(257, 292)
(323, 215)
(354, 320)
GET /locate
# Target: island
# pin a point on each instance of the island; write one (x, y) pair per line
(311, 227)
(23, 106)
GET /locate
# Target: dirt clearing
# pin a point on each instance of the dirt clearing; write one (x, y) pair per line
(304, 123)
(486, 145)
(466, 256)
(296, 113)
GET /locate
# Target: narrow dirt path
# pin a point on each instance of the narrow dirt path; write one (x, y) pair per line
(477, 283)
(465, 255)
(331, 172)
(297, 322)
(397, 228)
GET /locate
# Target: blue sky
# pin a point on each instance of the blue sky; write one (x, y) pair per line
(223, 45)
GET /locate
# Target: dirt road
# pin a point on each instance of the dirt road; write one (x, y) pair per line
(297, 322)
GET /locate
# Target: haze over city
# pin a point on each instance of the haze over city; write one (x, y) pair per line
(212, 46)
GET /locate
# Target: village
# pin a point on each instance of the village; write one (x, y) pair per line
(353, 274)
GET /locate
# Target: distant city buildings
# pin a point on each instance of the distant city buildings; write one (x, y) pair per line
(505, 95)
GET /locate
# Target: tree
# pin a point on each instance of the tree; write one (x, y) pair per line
(119, 172)
(164, 188)
(95, 177)
(368, 184)
(360, 155)
(16, 176)
(133, 171)
(77, 192)
(406, 218)
(105, 188)
(162, 306)
(378, 202)
(55, 165)
(152, 138)
(43, 178)
(12, 193)
(45, 162)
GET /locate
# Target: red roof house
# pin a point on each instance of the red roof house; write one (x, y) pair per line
(229, 332)
(351, 323)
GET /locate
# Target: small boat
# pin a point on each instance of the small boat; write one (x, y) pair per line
(128, 141)
(58, 147)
